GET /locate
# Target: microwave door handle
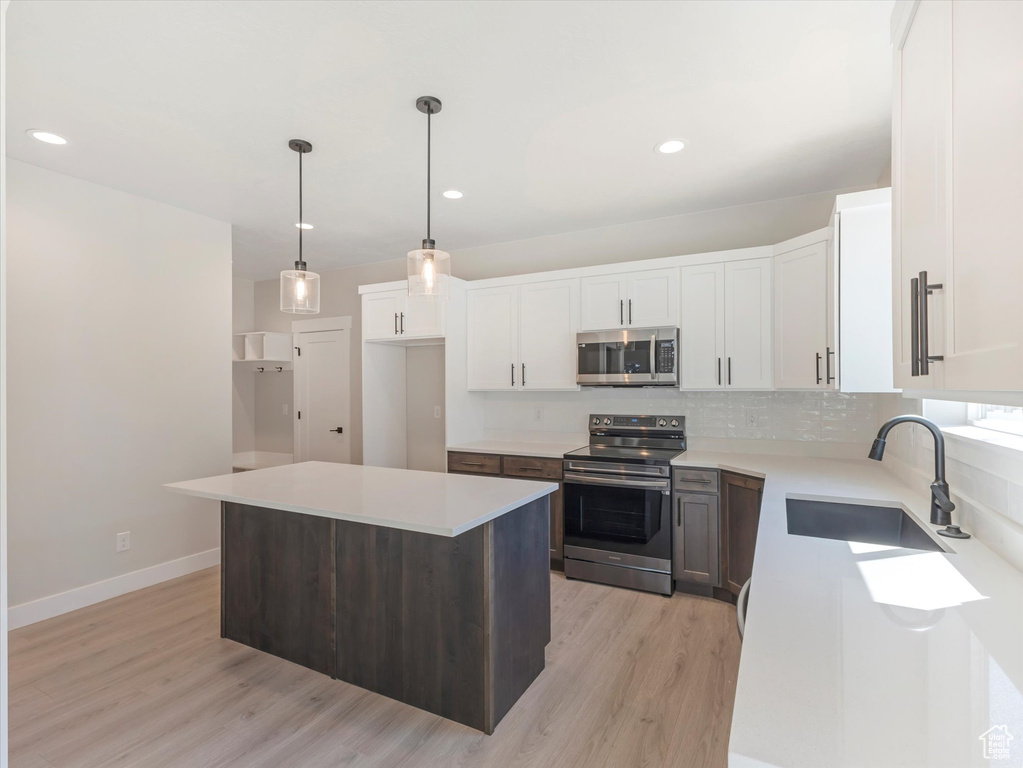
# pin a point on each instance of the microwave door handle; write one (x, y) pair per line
(653, 355)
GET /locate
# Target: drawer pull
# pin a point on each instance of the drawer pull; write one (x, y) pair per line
(528, 469)
(695, 480)
(473, 463)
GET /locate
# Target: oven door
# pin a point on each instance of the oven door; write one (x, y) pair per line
(627, 358)
(618, 520)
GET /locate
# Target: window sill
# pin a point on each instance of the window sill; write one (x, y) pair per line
(1005, 441)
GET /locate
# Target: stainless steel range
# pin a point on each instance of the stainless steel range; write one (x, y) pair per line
(618, 502)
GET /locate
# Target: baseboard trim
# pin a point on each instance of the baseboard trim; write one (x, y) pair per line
(64, 602)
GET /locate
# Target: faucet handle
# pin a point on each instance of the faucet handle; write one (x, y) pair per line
(939, 493)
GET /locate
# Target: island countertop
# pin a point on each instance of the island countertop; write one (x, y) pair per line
(427, 502)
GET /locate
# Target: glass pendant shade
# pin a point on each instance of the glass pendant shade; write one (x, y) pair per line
(300, 292)
(428, 272)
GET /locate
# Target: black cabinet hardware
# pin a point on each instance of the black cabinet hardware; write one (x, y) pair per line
(827, 366)
(339, 430)
(621, 312)
(719, 371)
(395, 323)
(729, 371)
(818, 367)
(403, 322)
(630, 311)
(523, 374)
(513, 374)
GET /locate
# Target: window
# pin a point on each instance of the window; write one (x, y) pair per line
(1001, 418)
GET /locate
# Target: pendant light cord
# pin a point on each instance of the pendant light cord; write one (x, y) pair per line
(429, 114)
(301, 220)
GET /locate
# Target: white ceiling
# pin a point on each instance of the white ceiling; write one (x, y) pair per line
(551, 111)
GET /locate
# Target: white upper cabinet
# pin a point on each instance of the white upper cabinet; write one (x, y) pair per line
(984, 344)
(652, 298)
(801, 307)
(702, 332)
(523, 336)
(393, 315)
(493, 328)
(646, 299)
(957, 178)
(603, 302)
(381, 313)
(748, 339)
(726, 325)
(548, 323)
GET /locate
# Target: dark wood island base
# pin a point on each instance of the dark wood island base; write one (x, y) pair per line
(453, 625)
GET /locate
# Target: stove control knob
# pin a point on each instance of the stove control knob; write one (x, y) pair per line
(596, 420)
(674, 422)
(607, 422)
(662, 423)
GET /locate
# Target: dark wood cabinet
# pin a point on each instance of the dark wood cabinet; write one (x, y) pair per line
(697, 538)
(527, 468)
(740, 503)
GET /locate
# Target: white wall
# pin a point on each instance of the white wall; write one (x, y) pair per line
(763, 223)
(243, 394)
(424, 390)
(120, 380)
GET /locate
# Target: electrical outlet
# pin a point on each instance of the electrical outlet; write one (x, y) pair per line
(538, 414)
(124, 541)
(284, 409)
(436, 411)
(751, 417)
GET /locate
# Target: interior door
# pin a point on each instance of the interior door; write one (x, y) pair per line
(548, 322)
(801, 317)
(702, 329)
(493, 341)
(921, 171)
(748, 337)
(653, 299)
(381, 314)
(603, 302)
(322, 397)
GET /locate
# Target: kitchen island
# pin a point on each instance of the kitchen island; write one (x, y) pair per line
(429, 588)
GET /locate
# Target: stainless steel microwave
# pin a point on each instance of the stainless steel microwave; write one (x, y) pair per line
(634, 357)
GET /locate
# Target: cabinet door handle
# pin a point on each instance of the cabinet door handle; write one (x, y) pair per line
(395, 323)
(926, 358)
(827, 367)
(678, 511)
(719, 371)
(523, 374)
(818, 368)
(914, 326)
(513, 374)
(621, 312)
(630, 311)
(403, 323)
(729, 371)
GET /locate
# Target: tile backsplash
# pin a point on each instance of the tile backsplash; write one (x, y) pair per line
(804, 416)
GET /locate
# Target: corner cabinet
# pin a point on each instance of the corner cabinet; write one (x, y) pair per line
(645, 299)
(393, 315)
(726, 335)
(523, 337)
(716, 516)
(957, 178)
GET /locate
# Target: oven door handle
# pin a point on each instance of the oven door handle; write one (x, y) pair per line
(655, 485)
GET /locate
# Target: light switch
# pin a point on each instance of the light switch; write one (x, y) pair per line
(436, 411)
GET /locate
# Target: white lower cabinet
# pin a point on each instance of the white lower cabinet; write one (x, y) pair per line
(393, 315)
(726, 325)
(523, 336)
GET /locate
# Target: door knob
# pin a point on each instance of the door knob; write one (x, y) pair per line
(339, 430)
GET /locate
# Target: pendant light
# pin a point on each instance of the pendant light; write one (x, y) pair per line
(428, 268)
(300, 288)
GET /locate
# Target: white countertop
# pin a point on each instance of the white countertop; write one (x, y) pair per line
(518, 448)
(428, 502)
(860, 658)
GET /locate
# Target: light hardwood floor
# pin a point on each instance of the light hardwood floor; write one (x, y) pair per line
(145, 680)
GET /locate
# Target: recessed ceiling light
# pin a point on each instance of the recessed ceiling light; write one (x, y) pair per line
(49, 138)
(671, 146)
(452, 194)
(303, 225)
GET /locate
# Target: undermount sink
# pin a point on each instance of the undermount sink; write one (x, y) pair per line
(862, 523)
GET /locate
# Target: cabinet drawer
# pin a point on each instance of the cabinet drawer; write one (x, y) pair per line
(480, 463)
(530, 466)
(700, 480)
